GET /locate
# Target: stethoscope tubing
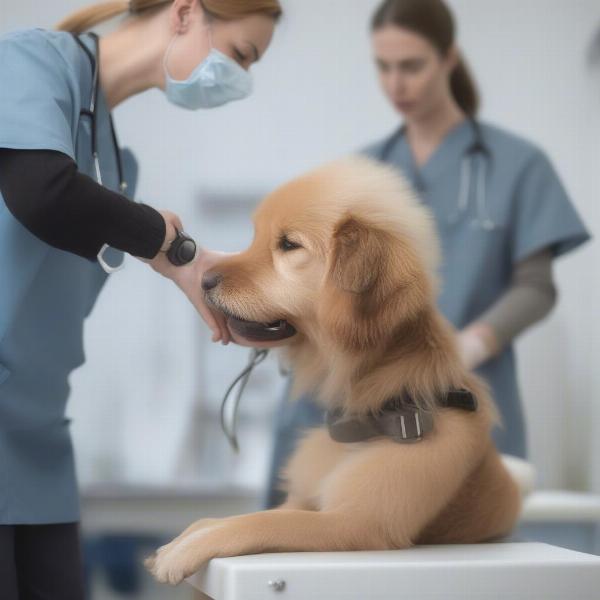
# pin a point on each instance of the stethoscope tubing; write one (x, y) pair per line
(181, 252)
(477, 148)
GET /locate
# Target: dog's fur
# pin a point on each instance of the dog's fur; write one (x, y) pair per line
(361, 293)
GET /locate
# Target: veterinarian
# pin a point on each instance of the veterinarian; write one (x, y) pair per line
(502, 213)
(66, 217)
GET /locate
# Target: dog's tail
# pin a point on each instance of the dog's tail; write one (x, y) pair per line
(522, 472)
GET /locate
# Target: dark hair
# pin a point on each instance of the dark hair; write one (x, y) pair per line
(433, 20)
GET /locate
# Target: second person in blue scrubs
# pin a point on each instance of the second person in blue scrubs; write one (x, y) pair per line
(501, 211)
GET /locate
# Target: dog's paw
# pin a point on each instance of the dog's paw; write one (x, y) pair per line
(174, 563)
(182, 557)
(165, 571)
(149, 562)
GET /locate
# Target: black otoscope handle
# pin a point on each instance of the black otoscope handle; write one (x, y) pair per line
(182, 250)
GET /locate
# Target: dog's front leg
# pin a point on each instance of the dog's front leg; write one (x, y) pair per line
(267, 531)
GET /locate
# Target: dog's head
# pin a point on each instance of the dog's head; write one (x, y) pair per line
(344, 254)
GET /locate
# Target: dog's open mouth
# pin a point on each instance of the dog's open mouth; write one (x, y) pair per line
(256, 331)
(261, 332)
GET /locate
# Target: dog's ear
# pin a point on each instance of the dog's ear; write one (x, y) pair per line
(356, 256)
(375, 284)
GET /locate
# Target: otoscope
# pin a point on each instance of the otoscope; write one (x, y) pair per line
(182, 250)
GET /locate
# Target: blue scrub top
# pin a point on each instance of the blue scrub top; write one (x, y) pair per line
(530, 210)
(45, 293)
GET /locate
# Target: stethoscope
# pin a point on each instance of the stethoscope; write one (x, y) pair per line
(183, 248)
(477, 148)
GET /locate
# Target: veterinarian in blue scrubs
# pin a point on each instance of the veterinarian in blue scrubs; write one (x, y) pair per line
(501, 211)
(59, 208)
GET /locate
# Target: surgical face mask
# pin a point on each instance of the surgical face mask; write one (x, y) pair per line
(217, 80)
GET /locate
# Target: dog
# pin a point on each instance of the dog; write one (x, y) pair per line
(346, 256)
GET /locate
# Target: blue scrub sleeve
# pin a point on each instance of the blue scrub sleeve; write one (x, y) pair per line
(543, 215)
(37, 95)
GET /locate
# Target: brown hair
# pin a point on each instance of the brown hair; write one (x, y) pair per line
(433, 20)
(226, 10)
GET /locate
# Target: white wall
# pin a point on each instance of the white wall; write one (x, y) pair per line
(317, 98)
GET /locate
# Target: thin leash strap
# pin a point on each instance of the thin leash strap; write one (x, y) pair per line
(256, 357)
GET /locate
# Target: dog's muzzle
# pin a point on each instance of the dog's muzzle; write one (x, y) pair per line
(254, 331)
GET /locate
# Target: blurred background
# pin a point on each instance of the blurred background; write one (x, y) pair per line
(145, 408)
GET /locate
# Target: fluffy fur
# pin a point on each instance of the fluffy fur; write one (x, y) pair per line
(360, 289)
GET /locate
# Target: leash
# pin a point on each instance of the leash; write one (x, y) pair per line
(229, 429)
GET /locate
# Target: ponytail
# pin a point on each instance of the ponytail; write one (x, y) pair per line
(87, 18)
(463, 89)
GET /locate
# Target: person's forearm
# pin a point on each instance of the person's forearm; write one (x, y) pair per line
(529, 299)
(68, 210)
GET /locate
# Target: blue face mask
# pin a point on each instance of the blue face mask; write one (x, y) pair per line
(217, 80)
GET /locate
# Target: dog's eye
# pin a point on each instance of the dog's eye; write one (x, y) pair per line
(287, 245)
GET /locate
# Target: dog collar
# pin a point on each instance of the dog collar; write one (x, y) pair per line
(398, 419)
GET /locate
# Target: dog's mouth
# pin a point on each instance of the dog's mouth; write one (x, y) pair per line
(256, 331)
(261, 332)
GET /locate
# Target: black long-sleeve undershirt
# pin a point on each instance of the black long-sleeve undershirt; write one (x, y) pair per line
(68, 210)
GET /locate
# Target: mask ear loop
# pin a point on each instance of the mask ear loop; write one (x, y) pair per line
(168, 53)
(172, 43)
(210, 37)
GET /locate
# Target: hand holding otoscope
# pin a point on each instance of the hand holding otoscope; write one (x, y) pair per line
(184, 262)
(182, 251)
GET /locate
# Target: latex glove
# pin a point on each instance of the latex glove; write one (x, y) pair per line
(477, 343)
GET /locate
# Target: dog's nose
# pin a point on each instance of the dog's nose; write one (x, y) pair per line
(210, 280)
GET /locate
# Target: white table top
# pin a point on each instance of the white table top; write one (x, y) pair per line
(562, 506)
(502, 571)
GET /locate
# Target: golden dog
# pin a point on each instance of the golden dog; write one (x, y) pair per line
(347, 256)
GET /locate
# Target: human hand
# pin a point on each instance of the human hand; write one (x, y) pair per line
(160, 263)
(477, 343)
(189, 279)
(173, 225)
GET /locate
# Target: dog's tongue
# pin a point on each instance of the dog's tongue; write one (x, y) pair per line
(261, 332)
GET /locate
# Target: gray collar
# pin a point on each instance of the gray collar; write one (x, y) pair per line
(398, 419)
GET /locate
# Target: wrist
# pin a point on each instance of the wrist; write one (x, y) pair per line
(486, 334)
(477, 344)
